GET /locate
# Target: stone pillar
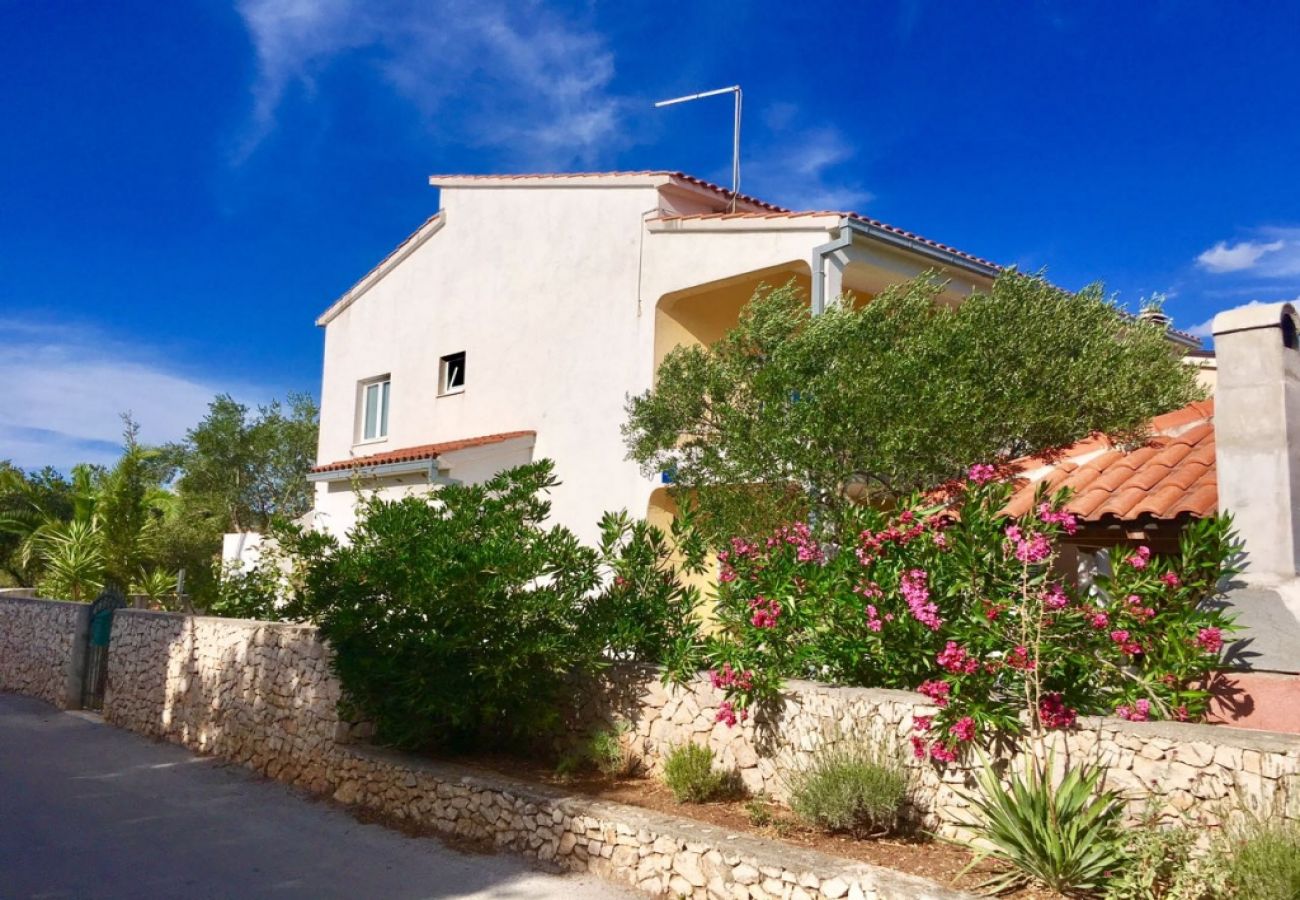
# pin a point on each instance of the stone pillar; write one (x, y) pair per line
(1257, 435)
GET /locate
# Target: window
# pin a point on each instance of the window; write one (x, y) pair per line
(374, 409)
(451, 374)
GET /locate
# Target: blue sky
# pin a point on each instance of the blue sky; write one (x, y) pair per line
(185, 185)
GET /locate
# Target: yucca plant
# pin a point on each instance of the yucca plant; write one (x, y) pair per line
(1066, 836)
(158, 585)
(73, 556)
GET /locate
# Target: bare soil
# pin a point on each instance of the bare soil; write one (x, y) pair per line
(922, 855)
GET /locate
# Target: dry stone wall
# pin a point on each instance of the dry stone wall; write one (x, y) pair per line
(1200, 774)
(41, 648)
(258, 693)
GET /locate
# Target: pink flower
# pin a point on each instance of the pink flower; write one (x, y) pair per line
(726, 713)
(1053, 712)
(942, 753)
(1120, 636)
(941, 540)
(765, 612)
(1098, 619)
(922, 723)
(1171, 579)
(1141, 558)
(1055, 597)
(1019, 659)
(727, 574)
(1210, 639)
(963, 729)
(1051, 516)
(743, 548)
(1138, 712)
(1035, 549)
(955, 659)
(914, 588)
(937, 691)
(982, 473)
(728, 677)
(918, 747)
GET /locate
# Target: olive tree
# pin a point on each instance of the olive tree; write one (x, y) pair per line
(795, 415)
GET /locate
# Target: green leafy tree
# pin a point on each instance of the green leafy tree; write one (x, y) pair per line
(791, 415)
(246, 468)
(28, 500)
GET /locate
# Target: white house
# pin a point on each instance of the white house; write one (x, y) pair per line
(516, 321)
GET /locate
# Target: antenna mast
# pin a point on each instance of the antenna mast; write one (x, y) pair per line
(735, 136)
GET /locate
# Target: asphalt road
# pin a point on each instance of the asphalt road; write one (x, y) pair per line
(88, 810)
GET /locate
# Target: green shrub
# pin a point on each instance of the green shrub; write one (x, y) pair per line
(609, 750)
(854, 789)
(1162, 865)
(690, 775)
(1066, 835)
(1263, 861)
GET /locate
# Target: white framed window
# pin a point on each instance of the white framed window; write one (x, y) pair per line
(451, 373)
(374, 409)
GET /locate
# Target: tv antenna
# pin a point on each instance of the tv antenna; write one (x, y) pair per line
(735, 137)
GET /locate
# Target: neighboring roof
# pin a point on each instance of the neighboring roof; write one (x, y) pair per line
(419, 453)
(579, 178)
(1171, 476)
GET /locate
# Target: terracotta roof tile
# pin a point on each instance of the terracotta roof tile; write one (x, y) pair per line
(421, 452)
(1172, 475)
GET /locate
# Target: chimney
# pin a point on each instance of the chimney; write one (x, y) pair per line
(1257, 435)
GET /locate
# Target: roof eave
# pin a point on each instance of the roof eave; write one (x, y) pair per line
(413, 242)
(919, 247)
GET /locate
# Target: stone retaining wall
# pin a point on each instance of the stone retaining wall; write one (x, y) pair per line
(662, 855)
(42, 648)
(1191, 773)
(258, 693)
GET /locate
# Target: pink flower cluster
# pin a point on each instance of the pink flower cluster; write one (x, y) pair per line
(1141, 558)
(1053, 712)
(937, 691)
(1019, 658)
(874, 620)
(1137, 610)
(1140, 711)
(729, 715)
(1210, 640)
(982, 473)
(1055, 597)
(800, 537)
(1069, 524)
(1122, 637)
(954, 658)
(1028, 548)
(1171, 579)
(914, 586)
(764, 613)
(963, 729)
(728, 677)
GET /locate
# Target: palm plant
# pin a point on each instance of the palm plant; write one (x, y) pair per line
(155, 584)
(1066, 836)
(73, 557)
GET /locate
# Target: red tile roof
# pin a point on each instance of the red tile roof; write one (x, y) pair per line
(1171, 476)
(421, 452)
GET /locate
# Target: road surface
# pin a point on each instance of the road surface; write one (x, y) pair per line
(88, 810)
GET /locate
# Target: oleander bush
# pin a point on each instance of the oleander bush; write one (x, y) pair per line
(960, 602)
(853, 788)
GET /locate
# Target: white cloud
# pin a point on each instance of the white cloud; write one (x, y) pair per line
(1205, 329)
(517, 76)
(65, 391)
(801, 168)
(1223, 257)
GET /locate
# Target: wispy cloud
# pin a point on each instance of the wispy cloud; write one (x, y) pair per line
(1205, 329)
(517, 76)
(1270, 252)
(804, 167)
(66, 388)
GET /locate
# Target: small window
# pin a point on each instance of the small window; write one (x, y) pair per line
(374, 409)
(452, 373)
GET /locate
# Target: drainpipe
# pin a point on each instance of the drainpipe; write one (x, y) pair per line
(819, 261)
